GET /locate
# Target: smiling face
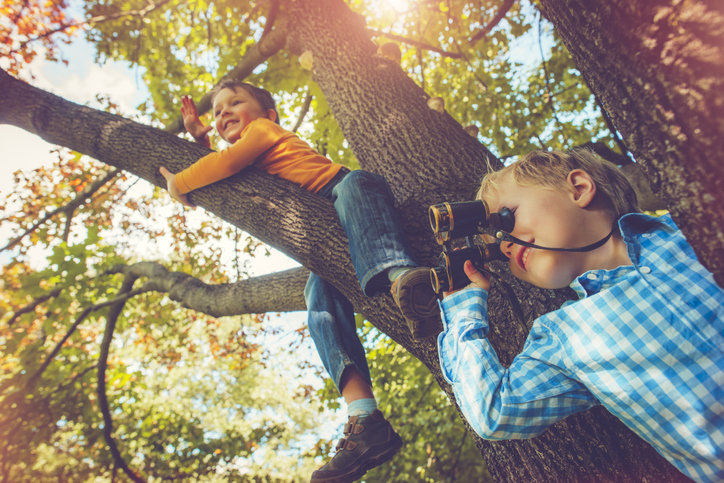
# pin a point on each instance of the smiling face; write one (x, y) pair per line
(556, 219)
(234, 109)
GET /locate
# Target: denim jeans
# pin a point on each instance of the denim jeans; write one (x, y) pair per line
(365, 206)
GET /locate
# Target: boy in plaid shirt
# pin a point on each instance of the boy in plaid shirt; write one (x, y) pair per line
(645, 338)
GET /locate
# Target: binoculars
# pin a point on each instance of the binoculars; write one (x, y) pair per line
(465, 220)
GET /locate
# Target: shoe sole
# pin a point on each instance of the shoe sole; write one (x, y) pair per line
(423, 321)
(367, 465)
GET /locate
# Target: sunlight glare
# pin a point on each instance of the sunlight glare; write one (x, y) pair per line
(398, 6)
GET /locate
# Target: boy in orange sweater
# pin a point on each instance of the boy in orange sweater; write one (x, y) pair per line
(246, 118)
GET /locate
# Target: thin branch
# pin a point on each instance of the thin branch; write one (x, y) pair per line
(425, 393)
(67, 208)
(421, 60)
(32, 305)
(451, 473)
(545, 73)
(86, 312)
(414, 43)
(305, 109)
(507, 4)
(68, 221)
(612, 129)
(270, 18)
(93, 20)
(114, 312)
(472, 69)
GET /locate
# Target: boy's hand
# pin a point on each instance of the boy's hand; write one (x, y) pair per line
(477, 279)
(173, 189)
(192, 123)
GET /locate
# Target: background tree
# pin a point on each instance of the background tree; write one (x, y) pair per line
(383, 114)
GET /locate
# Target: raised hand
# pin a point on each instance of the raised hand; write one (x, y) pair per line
(173, 189)
(192, 123)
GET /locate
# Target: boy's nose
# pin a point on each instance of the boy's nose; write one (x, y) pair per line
(507, 248)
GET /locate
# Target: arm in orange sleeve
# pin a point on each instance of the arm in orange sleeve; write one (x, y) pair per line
(256, 138)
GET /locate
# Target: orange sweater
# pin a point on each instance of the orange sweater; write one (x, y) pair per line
(269, 147)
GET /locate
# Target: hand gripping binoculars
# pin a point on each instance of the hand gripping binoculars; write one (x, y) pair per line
(465, 220)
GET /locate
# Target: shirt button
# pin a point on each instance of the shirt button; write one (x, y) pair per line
(645, 270)
(591, 276)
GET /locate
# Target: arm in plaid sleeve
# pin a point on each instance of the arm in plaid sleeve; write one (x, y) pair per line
(514, 403)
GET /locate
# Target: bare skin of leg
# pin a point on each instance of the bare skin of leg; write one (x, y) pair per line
(354, 386)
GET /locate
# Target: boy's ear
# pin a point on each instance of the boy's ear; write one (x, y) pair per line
(271, 115)
(583, 187)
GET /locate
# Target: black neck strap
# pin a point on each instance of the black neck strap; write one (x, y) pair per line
(510, 238)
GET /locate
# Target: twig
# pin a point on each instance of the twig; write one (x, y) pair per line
(545, 73)
(305, 109)
(113, 314)
(236, 253)
(496, 20)
(30, 307)
(612, 129)
(414, 43)
(68, 208)
(457, 460)
(68, 222)
(87, 311)
(97, 19)
(270, 18)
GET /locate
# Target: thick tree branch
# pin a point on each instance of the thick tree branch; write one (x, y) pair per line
(277, 292)
(267, 46)
(504, 8)
(113, 313)
(658, 68)
(68, 208)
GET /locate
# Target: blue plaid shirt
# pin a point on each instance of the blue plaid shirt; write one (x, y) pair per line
(645, 340)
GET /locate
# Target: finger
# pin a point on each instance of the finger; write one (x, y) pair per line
(475, 276)
(166, 173)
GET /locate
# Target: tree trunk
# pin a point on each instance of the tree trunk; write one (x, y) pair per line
(658, 68)
(426, 156)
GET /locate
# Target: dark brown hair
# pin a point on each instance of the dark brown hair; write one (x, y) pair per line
(262, 96)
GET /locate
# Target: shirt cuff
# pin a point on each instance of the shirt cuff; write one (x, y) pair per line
(467, 303)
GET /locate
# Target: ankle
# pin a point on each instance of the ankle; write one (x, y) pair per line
(362, 407)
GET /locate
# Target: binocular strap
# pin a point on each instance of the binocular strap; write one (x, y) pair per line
(502, 236)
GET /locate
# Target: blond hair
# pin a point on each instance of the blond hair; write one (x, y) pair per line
(550, 169)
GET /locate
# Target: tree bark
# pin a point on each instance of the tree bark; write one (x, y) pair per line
(276, 292)
(427, 158)
(658, 68)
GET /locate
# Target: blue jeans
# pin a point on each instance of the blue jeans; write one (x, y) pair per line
(365, 206)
